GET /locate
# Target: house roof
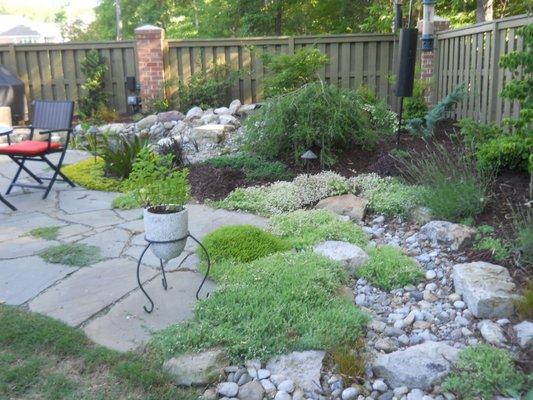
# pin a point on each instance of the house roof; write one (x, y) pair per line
(20, 30)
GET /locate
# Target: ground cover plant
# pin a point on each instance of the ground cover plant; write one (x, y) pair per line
(241, 243)
(45, 232)
(90, 174)
(389, 268)
(485, 240)
(273, 305)
(43, 358)
(253, 166)
(75, 254)
(483, 372)
(304, 228)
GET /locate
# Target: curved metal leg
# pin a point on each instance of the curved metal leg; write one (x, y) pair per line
(208, 267)
(164, 279)
(140, 283)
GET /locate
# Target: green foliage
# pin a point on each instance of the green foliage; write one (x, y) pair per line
(483, 372)
(387, 195)
(288, 72)
(271, 306)
(304, 228)
(90, 174)
(351, 360)
(316, 115)
(425, 126)
(253, 166)
(46, 232)
(415, 106)
(523, 227)
(454, 187)
(119, 153)
(389, 268)
(125, 201)
(75, 254)
(241, 243)
(475, 132)
(524, 305)
(94, 67)
(155, 182)
(511, 151)
(496, 247)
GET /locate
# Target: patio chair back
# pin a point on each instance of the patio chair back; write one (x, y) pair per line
(52, 114)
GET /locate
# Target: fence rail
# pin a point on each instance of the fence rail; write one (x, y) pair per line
(470, 56)
(53, 71)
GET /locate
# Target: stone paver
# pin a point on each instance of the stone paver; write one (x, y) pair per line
(126, 325)
(110, 242)
(96, 219)
(89, 290)
(24, 278)
(18, 224)
(78, 201)
(24, 246)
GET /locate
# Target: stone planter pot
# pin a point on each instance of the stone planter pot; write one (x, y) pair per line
(164, 227)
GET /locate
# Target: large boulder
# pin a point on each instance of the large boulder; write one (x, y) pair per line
(491, 332)
(302, 367)
(222, 110)
(487, 289)
(181, 130)
(447, 233)
(234, 106)
(251, 391)
(350, 255)
(114, 128)
(211, 133)
(146, 122)
(420, 366)
(193, 113)
(192, 369)
(169, 116)
(346, 204)
(524, 334)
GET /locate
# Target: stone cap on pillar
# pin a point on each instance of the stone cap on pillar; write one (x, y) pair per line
(150, 31)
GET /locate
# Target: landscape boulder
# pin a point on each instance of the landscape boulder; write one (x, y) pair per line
(491, 332)
(169, 116)
(211, 133)
(350, 255)
(234, 106)
(194, 113)
(146, 122)
(420, 366)
(487, 289)
(193, 369)
(346, 204)
(524, 334)
(114, 128)
(447, 233)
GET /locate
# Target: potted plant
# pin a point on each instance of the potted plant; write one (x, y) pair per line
(163, 191)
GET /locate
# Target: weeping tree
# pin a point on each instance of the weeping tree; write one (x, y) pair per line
(95, 97)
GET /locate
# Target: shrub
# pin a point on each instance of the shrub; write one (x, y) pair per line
(455, 188)
(316, 115)
(387, 195)
(90, 173)
(241, 243)
(274, 305)
(523, 228)
(304, 228)
(510, 151)
(94, 67)
(253, 166)
(313, 188)
(498, 250)
(75, 254)
(285, 72)
(46, 232)
(119, 153)
(415, 106)
(389, 268)
(125, 201)
(483, 372)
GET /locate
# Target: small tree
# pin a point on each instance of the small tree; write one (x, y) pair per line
(94, 67)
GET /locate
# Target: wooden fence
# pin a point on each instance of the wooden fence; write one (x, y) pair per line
(354, 60)
(470, 55)
(53, 71)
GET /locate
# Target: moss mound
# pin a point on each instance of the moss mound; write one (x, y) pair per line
(89, 173)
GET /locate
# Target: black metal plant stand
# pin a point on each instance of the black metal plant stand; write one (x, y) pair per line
(164, 279)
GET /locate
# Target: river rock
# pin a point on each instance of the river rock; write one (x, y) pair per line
(419, 366)
(491, 332)
(234, 106)
(302, 367)
(228, 389)
(346, 204)
(194, 113)
(197, 368)
(251, 391)
(146, 122)
(114, 128)
(524, 334)
(169, 116)
(487, 289)
(447, 233)
(350, 255)
(210, 133)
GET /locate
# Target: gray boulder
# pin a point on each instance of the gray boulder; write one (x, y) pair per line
(228, 119)
(302, 367)
(222, 110)
(112, 128)
(251, 391)
(234, 106)
(350, 255)
(146, 122)
(209, 117)
(447, 233)
(487, 289)
(228, 389)
(346, 204)
(212, 133)
(420, 366)
(201, 368)
(194, 113)
(491, 332)
(169, 116)
(524, 334)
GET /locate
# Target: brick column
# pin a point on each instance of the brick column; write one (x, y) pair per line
(427, 59)
(151, 45)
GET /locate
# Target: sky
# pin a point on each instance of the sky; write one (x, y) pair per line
(43, 9)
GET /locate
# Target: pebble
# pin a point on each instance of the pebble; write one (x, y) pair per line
(459, 304)
(263, 373)
(282, 396)
(286, 386)
(380, 385)
(431, 274)
(350, 393)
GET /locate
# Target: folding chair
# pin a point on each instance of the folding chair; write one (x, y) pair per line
(48, 117)
(7, 203)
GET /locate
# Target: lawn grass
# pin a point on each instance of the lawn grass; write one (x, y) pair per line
(90, 174)
(304, 228)
(389, 268)
(273, 305)
(46, 232)
(42, 358)
(75, 254)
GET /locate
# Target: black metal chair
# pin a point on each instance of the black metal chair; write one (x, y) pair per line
(7, 203)
(48, 117)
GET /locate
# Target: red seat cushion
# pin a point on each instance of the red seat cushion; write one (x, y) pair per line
(29, 148)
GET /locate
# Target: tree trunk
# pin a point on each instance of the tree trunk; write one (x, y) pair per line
(484, 10)
(118, 17)
(279, 17)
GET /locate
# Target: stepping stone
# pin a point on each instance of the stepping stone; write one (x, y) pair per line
(487, 289)
(197, 368)
(110, 242)
(19, 224)
(80, 201)
(22, 279)
(24, 246)
(127, 326)
(95, 219)
(89, 290)
(68, 232)
(130, 215)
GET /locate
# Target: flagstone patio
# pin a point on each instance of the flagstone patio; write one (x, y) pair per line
(103, 299)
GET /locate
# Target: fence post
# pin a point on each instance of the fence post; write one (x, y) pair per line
(150, 41)
(494, 83)
(291, 45)
(12, 59)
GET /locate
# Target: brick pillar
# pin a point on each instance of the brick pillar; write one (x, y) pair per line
(150, 52)
(427, 59)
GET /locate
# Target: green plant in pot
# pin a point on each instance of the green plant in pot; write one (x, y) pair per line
(163, 191)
